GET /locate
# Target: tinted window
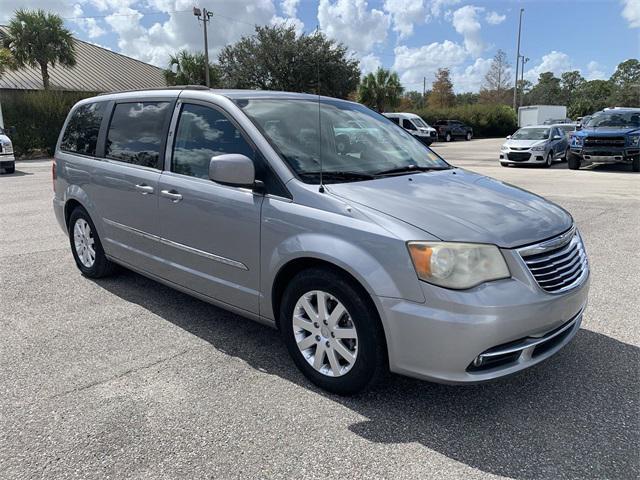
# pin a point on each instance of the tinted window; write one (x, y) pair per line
(82, 130)
(136, 132)
(204, 132)
(407, 124)
(394, 120)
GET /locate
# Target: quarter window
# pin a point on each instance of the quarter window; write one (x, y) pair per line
(137, 132)
(81, 134)
(202, 133)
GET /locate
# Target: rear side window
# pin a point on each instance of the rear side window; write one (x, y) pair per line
(394, 120)
(81, 134)
(136, 133)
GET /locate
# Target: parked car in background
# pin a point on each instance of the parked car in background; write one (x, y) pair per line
(415, 125)
(532, 115)
(566, 128)
(451, 129)
(7, 157)
(610, 136)
(538, 145)
(380, 257)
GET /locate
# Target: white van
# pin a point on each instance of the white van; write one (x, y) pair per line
(7, 158)
(413, 124)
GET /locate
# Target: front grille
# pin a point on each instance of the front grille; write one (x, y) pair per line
(558, 264)
(518, 156)
(604, 142)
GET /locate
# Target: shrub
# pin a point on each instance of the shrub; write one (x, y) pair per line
(486, 120)
(38, 117)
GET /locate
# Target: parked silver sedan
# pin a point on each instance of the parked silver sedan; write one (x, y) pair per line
(537, 145)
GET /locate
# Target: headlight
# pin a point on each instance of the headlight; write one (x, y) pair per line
(504, 148)
(537, 148)
(457, 265)
(634, 140)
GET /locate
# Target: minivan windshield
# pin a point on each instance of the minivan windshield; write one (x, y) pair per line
(531, 134)
(615, 119)
(352, 142)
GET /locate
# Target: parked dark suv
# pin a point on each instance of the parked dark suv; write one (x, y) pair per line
(449, 129)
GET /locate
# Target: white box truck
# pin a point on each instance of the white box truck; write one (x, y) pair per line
(538, 114)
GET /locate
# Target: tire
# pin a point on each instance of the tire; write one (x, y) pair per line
(101, 265)
(567, 152)
(504, 164)
(370, 362)
(468, 136)
(574, 162)
(635, 164)
(549, 160)
(10, 169)
(448, 137)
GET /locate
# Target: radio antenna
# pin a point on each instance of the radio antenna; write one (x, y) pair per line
(321, 189)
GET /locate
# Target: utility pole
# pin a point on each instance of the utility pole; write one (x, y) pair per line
(424, 91)
(515, 87)
(205, 16)
(524, 60)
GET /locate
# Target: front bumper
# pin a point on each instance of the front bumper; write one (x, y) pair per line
(516, 157)
(605, 155)
(440, 339)
(7, 158)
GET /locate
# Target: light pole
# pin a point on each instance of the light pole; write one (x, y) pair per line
(524, 60)
(515, 87)
(205, 16)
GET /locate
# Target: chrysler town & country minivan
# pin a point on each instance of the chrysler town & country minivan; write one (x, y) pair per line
(372, 256)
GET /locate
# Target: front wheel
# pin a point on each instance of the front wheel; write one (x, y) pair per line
(11, 168)
(86, 247)
(574, 161)
(468, 136)
(448, 137)
(549, 160)
(332, 332)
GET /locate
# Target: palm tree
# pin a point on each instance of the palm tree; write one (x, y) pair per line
(186, 68)
(37, 38)
(380, 90)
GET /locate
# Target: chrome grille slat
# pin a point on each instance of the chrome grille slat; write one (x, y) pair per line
(562, 263)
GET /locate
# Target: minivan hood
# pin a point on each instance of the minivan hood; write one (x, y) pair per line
(461, 206)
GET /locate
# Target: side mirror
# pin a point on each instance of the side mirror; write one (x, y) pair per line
(232, 169)
(508, 137)
(557, 137)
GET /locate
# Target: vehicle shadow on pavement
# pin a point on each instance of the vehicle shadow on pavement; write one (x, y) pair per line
(17, 173)
(573, 416)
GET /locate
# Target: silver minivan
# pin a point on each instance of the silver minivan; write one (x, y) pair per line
(372, 256)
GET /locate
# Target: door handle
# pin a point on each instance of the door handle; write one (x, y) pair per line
(171, 194)
(144, 189)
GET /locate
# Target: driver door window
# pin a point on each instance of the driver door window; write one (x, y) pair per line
(408, 125)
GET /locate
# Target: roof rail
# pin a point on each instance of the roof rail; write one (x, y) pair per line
(173, 87)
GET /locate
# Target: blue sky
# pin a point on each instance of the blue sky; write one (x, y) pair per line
(414, 37)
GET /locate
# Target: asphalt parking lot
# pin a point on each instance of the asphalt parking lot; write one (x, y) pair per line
(126, 378)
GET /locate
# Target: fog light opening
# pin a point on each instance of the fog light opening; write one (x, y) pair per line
(477, 361)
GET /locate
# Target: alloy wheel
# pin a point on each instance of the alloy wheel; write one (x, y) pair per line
(84, 243)
(325, 333)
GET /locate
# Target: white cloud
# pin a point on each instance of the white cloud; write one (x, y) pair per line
(556, 62)
(412, 64)
(494, 18)
(369, 63)
(631, 12)
(296, 22)
(290, 7)
(594, 71)
(404, 14)
(435, 8)
(353, 23)
(470, 79)
(231, 20)
(465, 21)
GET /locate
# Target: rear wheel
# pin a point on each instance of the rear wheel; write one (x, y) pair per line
(567, 152)
(574, 161)
(635, 164)
(332, 332)
(86, 247)
(468, 136)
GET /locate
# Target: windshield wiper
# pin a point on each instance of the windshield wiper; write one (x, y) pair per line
(338, 175)
(408, 169)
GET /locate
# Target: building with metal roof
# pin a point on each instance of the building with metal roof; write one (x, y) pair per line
(97, 70)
